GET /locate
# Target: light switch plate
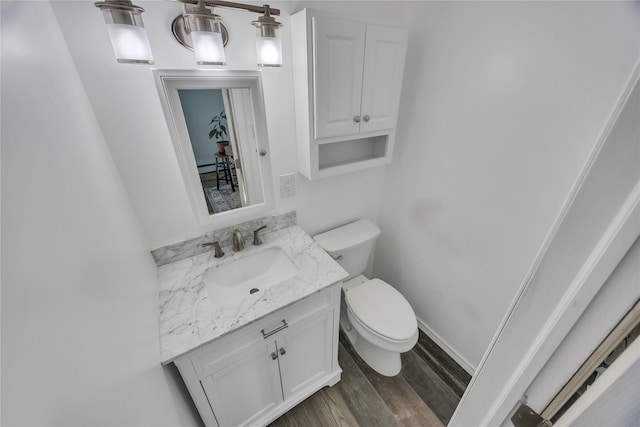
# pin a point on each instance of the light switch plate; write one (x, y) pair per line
(287, 185)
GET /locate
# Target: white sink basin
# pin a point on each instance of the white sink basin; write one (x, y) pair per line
(251, 274)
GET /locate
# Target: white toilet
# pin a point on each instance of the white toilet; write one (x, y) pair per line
(379, 321)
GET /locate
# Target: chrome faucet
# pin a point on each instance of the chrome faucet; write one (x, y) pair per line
(238, 241)
(256, 237)
(216, 247)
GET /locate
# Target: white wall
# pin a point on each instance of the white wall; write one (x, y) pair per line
(502, 103)
(129, 112)
(79, 296)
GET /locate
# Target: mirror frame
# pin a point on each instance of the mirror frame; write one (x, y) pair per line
(168, 82)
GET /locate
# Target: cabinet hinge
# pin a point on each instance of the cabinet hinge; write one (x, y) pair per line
(527, 417)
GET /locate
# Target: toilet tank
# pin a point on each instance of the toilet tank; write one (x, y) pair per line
(350, 245)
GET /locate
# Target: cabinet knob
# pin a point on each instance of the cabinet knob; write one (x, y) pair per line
(282, 351)
(274, 355)
(366, 118)
(356, 119)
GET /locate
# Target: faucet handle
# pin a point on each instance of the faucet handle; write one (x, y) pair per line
(256, 237)
(218, 250)
(216, 247)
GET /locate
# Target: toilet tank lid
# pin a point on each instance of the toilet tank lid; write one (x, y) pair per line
(348, 236)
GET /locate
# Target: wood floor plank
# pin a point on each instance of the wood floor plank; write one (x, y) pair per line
(406, 405)
(312, 412)
(364, 402)
(431, 388)
(442, 364)
(339, 409)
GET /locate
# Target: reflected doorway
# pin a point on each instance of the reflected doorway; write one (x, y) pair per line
(212, 124)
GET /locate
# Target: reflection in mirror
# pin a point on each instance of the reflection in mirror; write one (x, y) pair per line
(218, 128)
(222, 136)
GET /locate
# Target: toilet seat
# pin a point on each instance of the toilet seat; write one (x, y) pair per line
(382, 310)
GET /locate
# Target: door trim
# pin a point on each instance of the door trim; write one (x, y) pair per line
(609, 344)
(548, 304)
(605, 257)
(624, 366)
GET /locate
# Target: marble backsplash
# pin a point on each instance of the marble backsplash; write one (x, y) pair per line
(189, 248)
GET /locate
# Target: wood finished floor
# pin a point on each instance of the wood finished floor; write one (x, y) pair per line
(425, 393)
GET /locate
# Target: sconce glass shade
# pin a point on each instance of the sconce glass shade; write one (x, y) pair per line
(126, 32)
(269, 50)
(206, 35)
(208, 48)
(268, 42)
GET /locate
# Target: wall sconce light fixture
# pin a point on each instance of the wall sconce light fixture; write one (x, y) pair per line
(198, 28)
(206, 34)
(268, 44)
(126, 31)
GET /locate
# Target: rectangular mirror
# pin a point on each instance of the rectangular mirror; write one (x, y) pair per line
(218, 127)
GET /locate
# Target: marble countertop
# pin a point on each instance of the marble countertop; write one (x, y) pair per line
(188, 316)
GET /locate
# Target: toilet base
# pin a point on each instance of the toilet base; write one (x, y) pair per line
(382, 361)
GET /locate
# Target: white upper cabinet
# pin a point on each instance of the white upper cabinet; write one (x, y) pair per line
(358, 76)
(347, 83)
(385, 51)
(338, 60)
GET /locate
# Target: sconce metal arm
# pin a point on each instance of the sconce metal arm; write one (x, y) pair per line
(234, 5)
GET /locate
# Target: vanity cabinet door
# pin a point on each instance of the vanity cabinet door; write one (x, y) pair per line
(338, 61)
(304, 352)
(385, 51)
(244, 385)
(256, 373)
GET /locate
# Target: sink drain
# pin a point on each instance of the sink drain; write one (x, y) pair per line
(253, 290)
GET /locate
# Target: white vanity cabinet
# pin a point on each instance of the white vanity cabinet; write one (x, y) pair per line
(347, 82)
(255, 374)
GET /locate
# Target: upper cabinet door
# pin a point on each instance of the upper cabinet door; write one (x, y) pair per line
(385, 53)
(338, 62)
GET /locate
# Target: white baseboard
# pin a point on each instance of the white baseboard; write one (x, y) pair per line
(464, 363)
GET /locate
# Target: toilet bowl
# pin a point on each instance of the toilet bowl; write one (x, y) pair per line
(384, 323)
(378, 321)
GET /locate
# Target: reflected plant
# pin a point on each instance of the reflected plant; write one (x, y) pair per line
(218, 127)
